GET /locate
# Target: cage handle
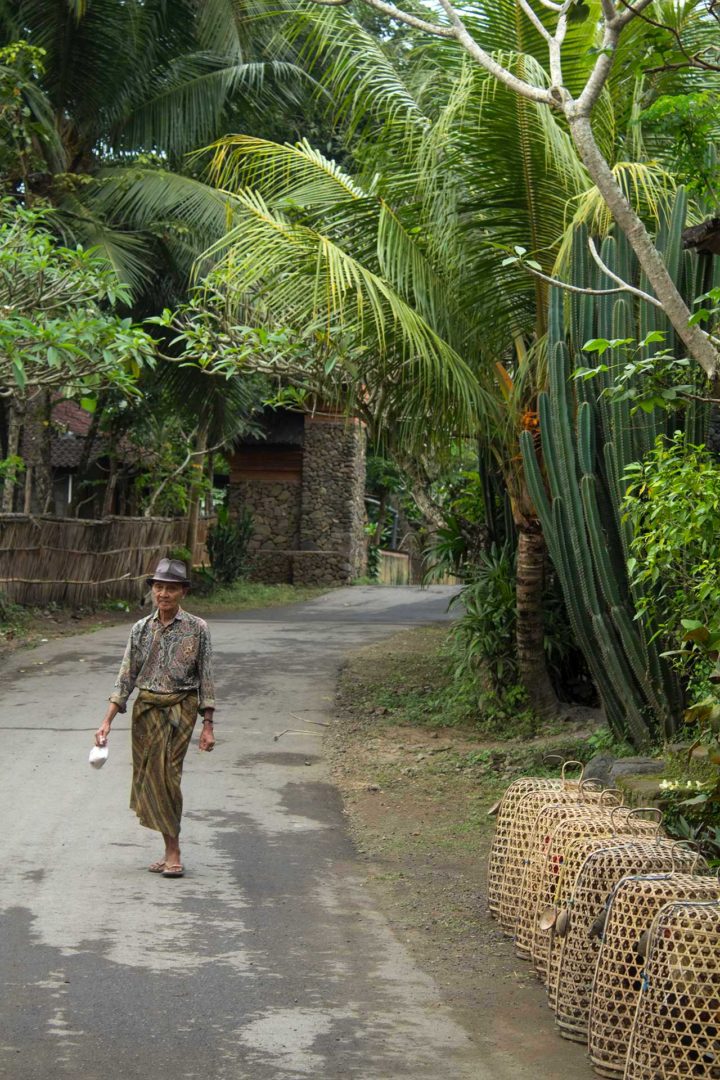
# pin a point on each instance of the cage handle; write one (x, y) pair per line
(612, 793)
(637, 810)
(613, 822)
(688, 845)
(566, 766)
(591, 784)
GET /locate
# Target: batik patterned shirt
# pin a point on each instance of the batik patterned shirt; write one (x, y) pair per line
(167, 660)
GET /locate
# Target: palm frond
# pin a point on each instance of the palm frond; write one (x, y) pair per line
(647, 186)
(302, 278)
(185, 102)
(283, 173)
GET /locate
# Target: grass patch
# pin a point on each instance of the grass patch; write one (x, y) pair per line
(242, 595)
(26, 626)
(414, 683)
(13, 619)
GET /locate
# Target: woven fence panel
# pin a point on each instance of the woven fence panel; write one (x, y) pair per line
(47, 560)
(580, 945)
(676, 1030)
(635, 902)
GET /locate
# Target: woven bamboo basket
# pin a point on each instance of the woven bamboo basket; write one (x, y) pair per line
(676, 1030)
(506, 811)
(575, 858)
(634, 904)
(518, 845)
(570, 843)
(544, 857)
(587, 910)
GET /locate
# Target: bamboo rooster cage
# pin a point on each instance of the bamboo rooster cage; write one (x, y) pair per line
(676, 1030)
(506, 811)
(518, 843)
(635, 902)
(572, 839)
(545, 855)
(579, 946)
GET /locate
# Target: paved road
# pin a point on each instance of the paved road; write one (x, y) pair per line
(267, 961)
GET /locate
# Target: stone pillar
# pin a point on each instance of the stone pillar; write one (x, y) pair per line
(266, 480)
(332, 539)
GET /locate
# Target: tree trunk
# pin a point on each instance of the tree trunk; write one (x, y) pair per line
(109, 496)
(27, 497)
(530, 632)
(695, 340)
(45, 469)
(15, 414)
(197, 465)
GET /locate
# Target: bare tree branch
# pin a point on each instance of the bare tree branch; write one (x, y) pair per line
(485, 60)
(586, 290)
(398, 15)
(624, 285)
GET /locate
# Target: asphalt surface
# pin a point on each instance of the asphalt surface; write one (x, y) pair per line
(268, 960)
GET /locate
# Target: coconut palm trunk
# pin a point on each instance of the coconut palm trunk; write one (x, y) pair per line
(530, 630)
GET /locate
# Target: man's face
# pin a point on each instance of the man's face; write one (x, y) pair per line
(167, 595)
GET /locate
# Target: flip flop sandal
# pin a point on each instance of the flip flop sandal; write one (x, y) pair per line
(173, 870)
(157, 867)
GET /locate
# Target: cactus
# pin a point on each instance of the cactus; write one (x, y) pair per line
(587, 440)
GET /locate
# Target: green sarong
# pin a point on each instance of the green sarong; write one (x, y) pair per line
(162, 725)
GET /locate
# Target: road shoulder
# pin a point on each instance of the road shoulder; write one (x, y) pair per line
(416, 800)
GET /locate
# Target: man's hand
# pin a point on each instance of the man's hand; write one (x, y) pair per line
(207, 737)
(101, 735)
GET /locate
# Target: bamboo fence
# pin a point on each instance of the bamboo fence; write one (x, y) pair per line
(77, 562)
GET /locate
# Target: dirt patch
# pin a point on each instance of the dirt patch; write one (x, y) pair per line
(36, 626)
(417, 797)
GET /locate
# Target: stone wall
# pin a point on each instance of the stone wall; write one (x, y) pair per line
(307, 505)
(333, 490)
(275, 508)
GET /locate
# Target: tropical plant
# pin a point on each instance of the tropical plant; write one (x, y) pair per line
(58, 332)
(228, 542)
(588, 435)
(672, 504)
(484, 637)
(112, 98)
(578, 91)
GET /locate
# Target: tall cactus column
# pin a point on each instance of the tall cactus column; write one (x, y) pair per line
(587, 439)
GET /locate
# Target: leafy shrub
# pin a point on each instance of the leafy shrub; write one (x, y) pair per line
(227, 543)
(484, 643)
(673, 505)
(485, 635)
(182, 553)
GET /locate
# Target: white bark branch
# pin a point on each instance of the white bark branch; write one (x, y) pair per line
(624, 285)
(650, 259)
(536, 20)
(398, 15)
(486, 61)
(584, 290)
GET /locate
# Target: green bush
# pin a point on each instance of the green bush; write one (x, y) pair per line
(227, 543)
(673, 505)
(485, 635)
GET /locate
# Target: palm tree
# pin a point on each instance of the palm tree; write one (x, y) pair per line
(124, 92)
(397, 266)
